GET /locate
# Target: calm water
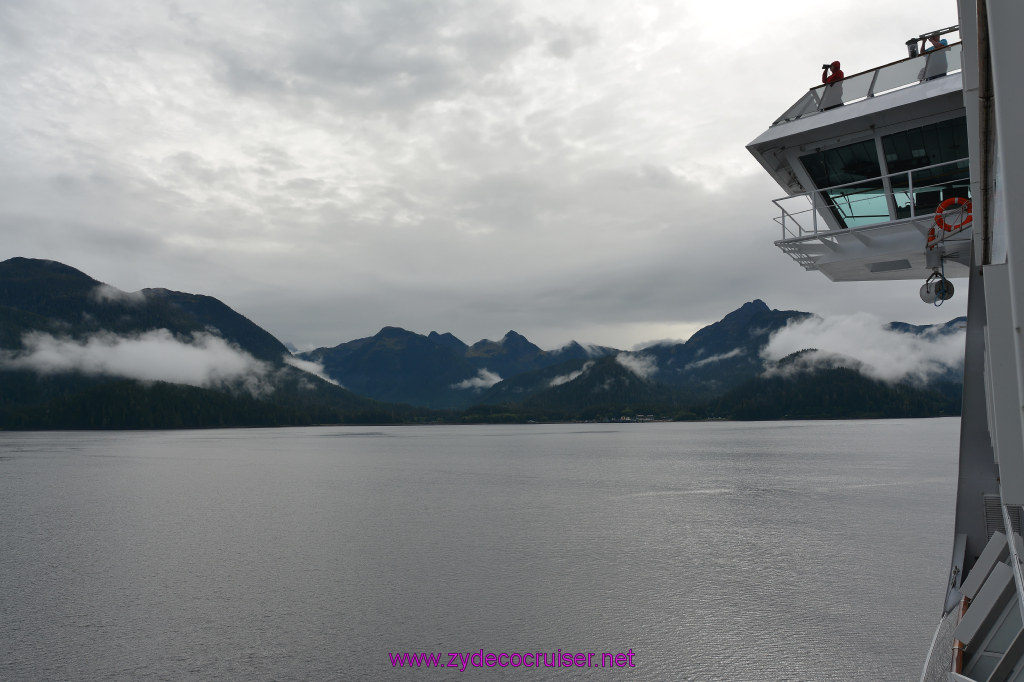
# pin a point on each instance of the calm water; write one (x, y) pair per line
(715, 551)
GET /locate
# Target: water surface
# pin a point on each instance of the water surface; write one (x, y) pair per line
(714, 551)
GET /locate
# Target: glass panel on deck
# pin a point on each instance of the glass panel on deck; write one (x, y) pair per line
(856, 87)
(901, 74)
(941, 62)
(831, 95)
(804, 105)
(844, 91)
(953, 55)
(936, 64)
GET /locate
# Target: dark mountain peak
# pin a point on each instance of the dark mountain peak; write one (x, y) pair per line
(398, 339)
(572, 348)
(724, 353)
(746, 311)
(394, 333)
(19, 268)
(48, 289)
(731, 327)
(388, 339)
(62, 297)
(512, 343)
(447, 340)
(516, 341)
(575, 349)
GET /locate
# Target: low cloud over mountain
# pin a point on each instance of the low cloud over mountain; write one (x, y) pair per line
(641, 365)
(202, 360)
(483, 379)
(865, 343)
(309, 367)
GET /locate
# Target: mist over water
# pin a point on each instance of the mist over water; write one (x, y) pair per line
(715, 551)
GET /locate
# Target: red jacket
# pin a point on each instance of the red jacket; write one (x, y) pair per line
(837, 74)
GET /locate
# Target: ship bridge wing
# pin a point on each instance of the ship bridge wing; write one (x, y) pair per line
(869, 163)
(882, 80)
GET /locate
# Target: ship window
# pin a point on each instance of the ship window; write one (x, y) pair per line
(851, 179)
(857, 161)
(926, 146)
(933, 160)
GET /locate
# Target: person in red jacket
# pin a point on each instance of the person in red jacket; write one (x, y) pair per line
(832, 96)
(837, 74)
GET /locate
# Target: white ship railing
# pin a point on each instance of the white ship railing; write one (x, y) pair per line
(883, 199)
(877, 81)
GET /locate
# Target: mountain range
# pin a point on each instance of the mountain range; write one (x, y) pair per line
(437, 370)
(78, 353)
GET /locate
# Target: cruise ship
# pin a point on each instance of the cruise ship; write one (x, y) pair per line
(910, 171)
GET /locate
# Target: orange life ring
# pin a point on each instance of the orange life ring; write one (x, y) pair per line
(953, 201)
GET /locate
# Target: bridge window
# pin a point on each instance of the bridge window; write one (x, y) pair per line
(852, 176)
(933, 160)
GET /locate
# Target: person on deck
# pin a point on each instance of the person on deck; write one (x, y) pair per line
(936, 43)
(937, 62)
(837, 74)
(832, 97)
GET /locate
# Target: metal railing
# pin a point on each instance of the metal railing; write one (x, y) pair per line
(877, 81)
(904, 195)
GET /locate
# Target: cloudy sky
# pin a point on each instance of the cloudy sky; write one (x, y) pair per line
(570, 169)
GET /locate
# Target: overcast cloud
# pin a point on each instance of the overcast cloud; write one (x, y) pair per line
(566, 169)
